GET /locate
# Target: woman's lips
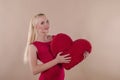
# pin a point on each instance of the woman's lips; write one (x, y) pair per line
(46, 28)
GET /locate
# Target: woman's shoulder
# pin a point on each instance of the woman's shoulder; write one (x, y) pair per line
(32, 47)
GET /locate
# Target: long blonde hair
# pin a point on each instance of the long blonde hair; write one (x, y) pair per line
(31, 34)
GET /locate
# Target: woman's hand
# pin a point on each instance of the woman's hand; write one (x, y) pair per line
(85, 54)
(63, 58)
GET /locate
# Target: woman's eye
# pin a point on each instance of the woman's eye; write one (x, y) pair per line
(42, 23)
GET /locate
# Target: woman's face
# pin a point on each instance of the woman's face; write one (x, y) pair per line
(42, 24)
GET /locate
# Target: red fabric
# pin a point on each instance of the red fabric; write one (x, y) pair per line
(60, 42)
(44, 55)
(76, 52)
(76, 49)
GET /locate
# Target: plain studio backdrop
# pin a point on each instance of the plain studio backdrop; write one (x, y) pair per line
(95, 20)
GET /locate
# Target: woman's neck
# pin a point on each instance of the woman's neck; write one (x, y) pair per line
(42, 37)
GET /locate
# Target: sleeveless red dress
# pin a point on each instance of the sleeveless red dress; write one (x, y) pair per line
(44, 55)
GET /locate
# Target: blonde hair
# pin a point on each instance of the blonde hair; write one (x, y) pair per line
(31, 34)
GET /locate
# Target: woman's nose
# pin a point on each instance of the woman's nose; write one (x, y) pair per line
(46, 26)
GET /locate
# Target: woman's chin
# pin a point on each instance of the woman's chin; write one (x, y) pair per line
(46, 31)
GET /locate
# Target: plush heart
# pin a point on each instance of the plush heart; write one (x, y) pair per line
(61, 42)
(76, 49)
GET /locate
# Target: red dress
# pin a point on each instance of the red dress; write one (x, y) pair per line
(44, 55)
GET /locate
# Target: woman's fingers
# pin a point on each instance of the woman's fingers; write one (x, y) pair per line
(67, 61)
(67, 58)
(66, 55)
(85, 54)
(63, 58)
(59, 53)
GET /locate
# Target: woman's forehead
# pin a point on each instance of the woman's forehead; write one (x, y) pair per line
(39, 19)
(42, 18)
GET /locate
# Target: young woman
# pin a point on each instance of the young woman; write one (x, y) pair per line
(38, 48)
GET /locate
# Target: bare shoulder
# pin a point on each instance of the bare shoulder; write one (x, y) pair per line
(32, 48)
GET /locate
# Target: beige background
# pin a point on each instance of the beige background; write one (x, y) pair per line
(95, 20)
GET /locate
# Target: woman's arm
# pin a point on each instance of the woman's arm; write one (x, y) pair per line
(38, 68)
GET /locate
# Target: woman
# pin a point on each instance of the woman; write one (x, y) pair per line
(38, 48)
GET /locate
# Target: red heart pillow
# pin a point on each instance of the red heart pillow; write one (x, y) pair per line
(76, 49)
(60, 42)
